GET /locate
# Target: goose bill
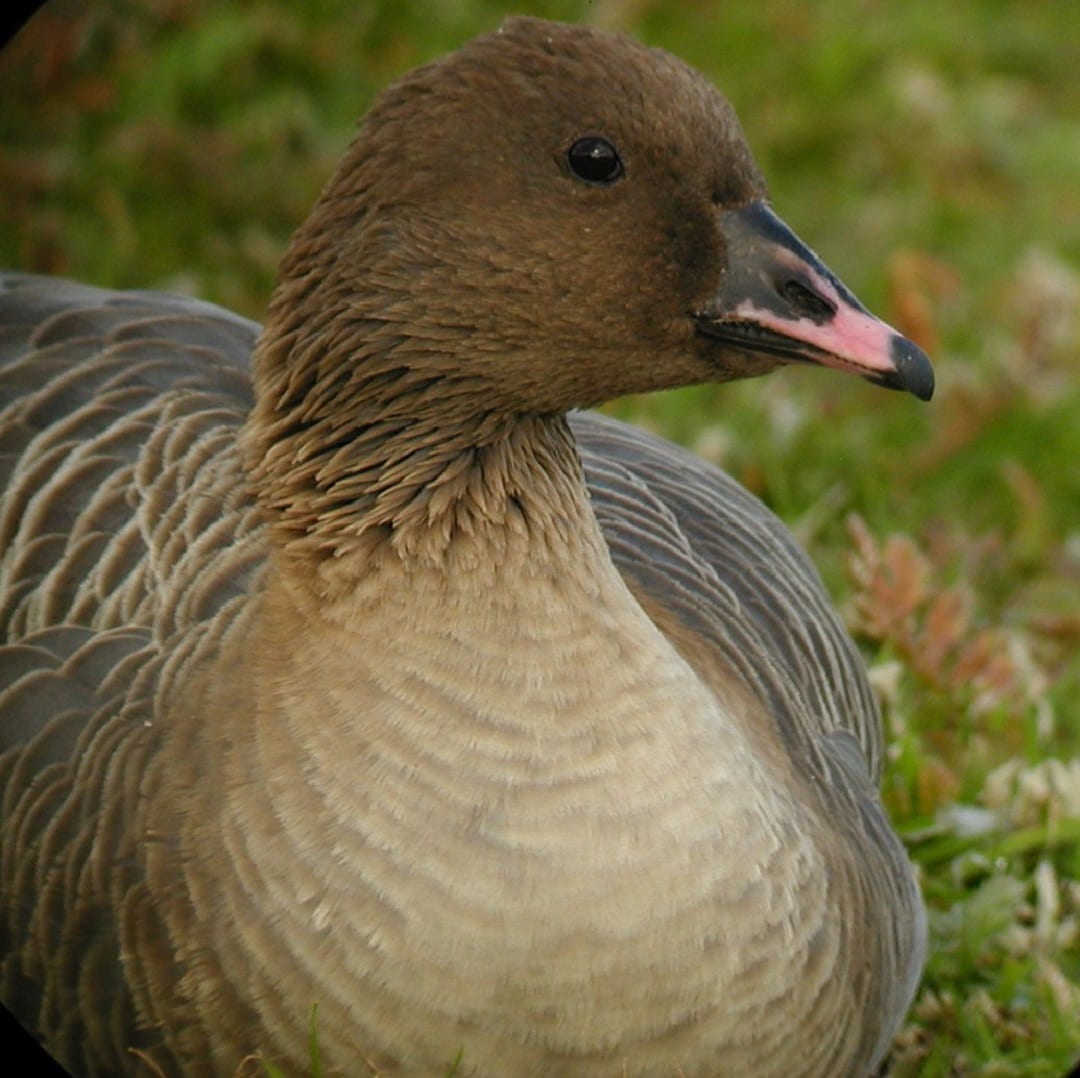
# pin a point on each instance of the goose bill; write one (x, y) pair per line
(777, 297)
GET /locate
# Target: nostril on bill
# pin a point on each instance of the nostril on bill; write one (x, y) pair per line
(807, 302)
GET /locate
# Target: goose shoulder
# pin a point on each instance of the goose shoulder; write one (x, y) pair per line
(123, 501)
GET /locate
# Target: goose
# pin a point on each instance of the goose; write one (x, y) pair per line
(356, 675)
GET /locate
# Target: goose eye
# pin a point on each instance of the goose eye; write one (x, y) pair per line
(594, 160)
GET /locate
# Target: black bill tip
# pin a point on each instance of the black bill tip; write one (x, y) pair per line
(912, 371)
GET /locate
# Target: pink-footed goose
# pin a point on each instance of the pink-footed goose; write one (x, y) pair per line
(393, 685)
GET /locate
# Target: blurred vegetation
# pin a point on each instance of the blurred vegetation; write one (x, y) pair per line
(931, 152)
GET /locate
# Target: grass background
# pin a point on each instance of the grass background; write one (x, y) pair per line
(931, 154)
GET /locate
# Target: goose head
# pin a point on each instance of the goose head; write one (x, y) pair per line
(549, 218)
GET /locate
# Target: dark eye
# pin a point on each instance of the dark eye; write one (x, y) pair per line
(594, 160)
